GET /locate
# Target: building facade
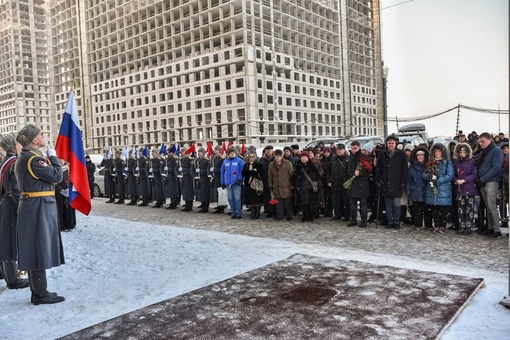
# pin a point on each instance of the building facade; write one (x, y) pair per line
(25, 67)
(147, 72)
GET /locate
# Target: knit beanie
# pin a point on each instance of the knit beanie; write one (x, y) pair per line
(27, 134)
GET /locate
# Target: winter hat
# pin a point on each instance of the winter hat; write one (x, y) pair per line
(278, 152)
(305, 153)
(232, 149)
(8, 142)
(201, 150)
(287, 148)
(368, 147)
(87, 157)
(219, 148)
(268, 147)
(294, 147)
(327, 149)
(27, 134)
(391, 137)
(340, 146)
(409, 147)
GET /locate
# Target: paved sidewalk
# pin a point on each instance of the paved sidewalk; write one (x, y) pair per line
(468, 251)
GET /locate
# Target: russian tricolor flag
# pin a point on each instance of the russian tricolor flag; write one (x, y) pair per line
(69, 147)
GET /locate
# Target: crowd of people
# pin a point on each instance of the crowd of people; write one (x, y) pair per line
(461, 185)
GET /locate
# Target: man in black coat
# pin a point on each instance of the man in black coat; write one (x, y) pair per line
(336, 175)
(91, 169)
(391, 176)
(359, 189)
(265, 160)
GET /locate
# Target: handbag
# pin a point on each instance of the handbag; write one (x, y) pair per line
(222, 197)
(315, 184)
(257, 184)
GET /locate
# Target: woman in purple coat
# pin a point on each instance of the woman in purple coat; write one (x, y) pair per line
(464, 179)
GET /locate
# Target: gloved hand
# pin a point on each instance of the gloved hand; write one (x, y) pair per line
(223, 186)
(52, 152)
(480, 183)
(64, 192)
(434, 177)
(238, 182)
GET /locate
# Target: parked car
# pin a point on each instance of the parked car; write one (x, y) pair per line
(363, 140)
(99, 182)
(326, 141)
(406, 132)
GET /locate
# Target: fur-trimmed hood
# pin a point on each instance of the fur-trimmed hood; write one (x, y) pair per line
(412, 157)
(469, 151)
(451, 143)
(445, 154)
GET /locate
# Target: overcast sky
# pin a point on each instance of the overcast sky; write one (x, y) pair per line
(444, 52)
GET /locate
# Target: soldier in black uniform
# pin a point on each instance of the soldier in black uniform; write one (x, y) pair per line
(142, 179)
(216, 163)
(120, 181)
(131, 187)
(187, 185)
(9, 194)
(109, 183)
(204, 184)
(172, 182)
(157, 164)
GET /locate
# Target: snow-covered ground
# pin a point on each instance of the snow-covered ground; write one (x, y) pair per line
(115, 266)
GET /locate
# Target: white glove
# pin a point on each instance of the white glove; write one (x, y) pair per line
(137, 169)
(434, 177)
(64, 192)
(52, 152)
(126, 168)
(211, 169)
(165, 168)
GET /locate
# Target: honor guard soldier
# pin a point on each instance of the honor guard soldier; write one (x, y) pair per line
(156, 166)
(215, 170)
(204, 178)
(131, 187)
(109, 180)
(10, 194)
(173, 189)
(120, 182)
(142, 178)
(187, 185)
(40, 245)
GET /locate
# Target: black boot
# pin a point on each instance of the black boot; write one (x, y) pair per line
(159, 203)
(111, 200)
(205, 207)
(253, 212)
(257, 213)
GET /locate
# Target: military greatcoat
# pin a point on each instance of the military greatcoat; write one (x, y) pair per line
(8, 209)
(40, 245)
